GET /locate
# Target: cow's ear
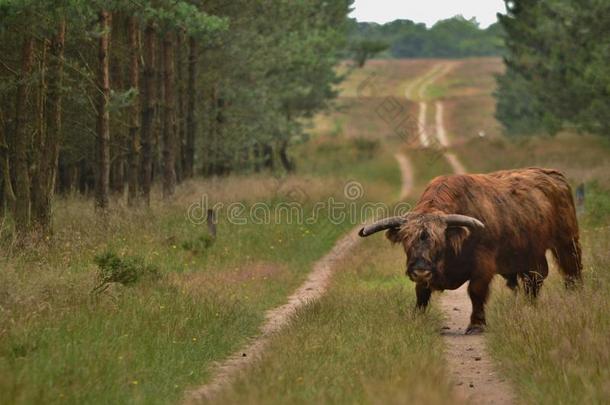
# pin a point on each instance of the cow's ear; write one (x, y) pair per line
(456, 235)
(394, 235)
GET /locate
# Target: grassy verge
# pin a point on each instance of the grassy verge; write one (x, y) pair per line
(556, 351)
(361, 343)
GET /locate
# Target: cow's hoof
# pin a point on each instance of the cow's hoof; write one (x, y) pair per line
(475, 329)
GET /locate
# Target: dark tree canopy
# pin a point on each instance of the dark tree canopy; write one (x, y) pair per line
(558, 75)
(108, 97)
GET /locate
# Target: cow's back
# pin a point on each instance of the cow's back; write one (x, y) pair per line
(523, 210)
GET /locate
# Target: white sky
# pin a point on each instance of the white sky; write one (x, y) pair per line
(427, 11)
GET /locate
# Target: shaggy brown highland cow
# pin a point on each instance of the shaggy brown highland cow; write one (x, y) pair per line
(474, 226)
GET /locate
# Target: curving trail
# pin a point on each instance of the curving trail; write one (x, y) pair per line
(469, 363)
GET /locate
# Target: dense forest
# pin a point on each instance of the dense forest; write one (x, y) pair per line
(558, 70)
(109, 97)
(456, 37)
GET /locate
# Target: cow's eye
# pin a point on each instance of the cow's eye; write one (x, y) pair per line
(423, 235)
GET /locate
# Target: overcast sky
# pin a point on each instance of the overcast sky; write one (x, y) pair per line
(427, 11)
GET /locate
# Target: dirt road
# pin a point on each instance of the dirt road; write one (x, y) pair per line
(470, 365)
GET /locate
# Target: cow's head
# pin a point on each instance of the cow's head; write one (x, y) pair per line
(425, 239)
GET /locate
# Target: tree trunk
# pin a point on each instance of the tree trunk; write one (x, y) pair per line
(268, 161)
(191, 124)
(283, 152)
(256, 151)
(218, 158)
(159, 111)
(134, 119)
(8, 195)
(148, 111)
(21, 140)
(37, 146)
(49, 156)
(103, 115)
(118, 127)
(180, 121)
(169, 117)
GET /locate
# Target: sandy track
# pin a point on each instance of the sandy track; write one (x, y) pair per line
(470, 365)
(424, 138)
(312, 289)
(406, 170)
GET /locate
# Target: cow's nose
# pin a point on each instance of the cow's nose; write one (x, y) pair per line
(421, 274)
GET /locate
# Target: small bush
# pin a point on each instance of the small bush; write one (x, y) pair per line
(123, 270)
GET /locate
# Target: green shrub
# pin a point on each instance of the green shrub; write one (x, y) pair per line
(126, 270)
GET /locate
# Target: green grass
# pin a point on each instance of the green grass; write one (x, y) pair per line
(361, 343)
(435, 91)
(145, 345)
(556, 351)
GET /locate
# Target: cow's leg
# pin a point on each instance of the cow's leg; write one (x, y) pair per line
(569, 256)
(423, 293)
(533, 279)
(511, 282)
(478, 290)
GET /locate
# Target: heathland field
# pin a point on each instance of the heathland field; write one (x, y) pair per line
(172, 301)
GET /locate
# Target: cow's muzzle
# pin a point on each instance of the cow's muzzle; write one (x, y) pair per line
(420, 275)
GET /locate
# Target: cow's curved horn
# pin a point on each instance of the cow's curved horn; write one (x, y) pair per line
(386, 223)
(463, 220)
